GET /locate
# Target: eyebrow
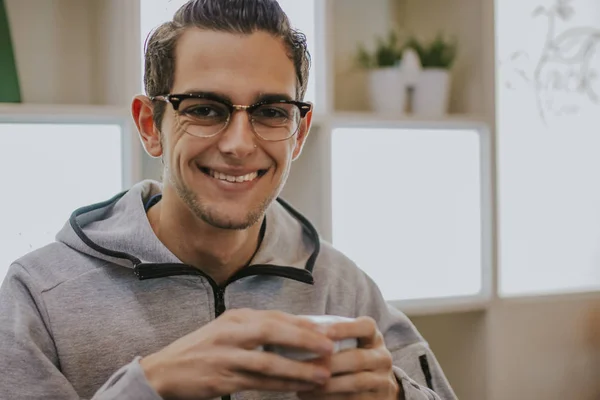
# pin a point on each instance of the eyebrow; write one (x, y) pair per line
(274, 97)
(210, 95)
(262, 97)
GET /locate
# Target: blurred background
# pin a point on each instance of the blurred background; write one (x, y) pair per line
(454, 157)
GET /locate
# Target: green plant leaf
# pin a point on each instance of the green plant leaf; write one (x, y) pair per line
(387, 53)
(439, 53)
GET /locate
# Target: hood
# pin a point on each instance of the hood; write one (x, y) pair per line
(118, 231)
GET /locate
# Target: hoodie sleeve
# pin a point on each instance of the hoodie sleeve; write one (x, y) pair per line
(29, 358)
(415, 365)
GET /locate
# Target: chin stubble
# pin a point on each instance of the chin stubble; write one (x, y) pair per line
(222, 222)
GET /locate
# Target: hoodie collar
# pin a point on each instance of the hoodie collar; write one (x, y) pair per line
(119, 232)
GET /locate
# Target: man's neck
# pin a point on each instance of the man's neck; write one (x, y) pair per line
(219, 253)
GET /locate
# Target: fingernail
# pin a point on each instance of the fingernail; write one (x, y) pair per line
(327, 347)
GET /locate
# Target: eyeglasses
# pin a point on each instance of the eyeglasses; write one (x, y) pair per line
(205, 116)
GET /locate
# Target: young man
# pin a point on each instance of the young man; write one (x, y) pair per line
(171, 290)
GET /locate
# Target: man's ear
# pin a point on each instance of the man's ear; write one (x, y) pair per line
(142, 111)
(302, 134)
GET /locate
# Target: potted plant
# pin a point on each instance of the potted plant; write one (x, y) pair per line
(432, 89)
(387, 91)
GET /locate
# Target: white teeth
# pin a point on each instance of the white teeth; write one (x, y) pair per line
(250, 177)
(230, 178)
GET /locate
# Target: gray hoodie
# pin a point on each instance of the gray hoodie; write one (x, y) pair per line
(77, 315)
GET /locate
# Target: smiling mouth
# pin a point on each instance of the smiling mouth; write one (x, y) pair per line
(234, 178)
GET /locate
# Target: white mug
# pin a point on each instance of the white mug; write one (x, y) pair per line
(303, 355)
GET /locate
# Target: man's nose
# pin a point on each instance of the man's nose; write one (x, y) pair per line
(238, 139)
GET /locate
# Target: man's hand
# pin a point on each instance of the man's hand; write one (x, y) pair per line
(222, 357)
(362, 373)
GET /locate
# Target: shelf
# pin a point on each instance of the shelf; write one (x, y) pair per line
(461, 19)
(51, 112)
(442, 305)
(370, 119)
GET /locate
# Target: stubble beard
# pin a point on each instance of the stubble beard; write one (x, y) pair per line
(212, 218)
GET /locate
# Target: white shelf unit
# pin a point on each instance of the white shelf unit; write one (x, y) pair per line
(341, 102)
(77, 61)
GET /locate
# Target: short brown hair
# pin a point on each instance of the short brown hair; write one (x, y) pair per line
(234, 16)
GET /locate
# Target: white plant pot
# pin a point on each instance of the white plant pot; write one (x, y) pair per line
(432, 93)
(387, 91)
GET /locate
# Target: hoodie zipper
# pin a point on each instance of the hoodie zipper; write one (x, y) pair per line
(219, 293)
(153, 271)
(219, 301)
(219, 309)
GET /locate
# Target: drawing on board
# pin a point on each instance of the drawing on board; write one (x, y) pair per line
(564, 71)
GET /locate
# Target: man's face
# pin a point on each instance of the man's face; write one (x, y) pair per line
(243, 69)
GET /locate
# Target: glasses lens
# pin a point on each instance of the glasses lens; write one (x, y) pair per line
(277, 121)
(202, 117)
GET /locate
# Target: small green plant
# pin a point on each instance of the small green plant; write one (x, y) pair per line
(387, 53)
(439, 53)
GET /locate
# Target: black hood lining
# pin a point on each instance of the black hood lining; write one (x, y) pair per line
(153, 271)
(91, 244)
(310, 230)
(183, 269)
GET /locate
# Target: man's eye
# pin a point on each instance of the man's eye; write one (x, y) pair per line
(271, 112)
(204, 112)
